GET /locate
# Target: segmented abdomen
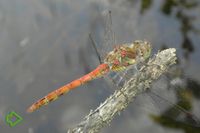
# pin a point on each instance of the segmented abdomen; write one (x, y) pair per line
(98, 72)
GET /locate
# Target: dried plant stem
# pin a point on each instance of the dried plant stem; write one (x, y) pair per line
(118, 101)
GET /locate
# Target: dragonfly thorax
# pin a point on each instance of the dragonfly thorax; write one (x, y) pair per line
(143, 48)
(128, 54)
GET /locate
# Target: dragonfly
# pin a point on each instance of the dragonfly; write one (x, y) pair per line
(117, 60)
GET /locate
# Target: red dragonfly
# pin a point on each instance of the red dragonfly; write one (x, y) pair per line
(119, 60)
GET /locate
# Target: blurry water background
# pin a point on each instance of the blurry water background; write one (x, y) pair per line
(44, 44)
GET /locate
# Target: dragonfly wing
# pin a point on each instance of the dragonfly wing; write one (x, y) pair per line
(114, 79)
(121, 77)
(108, 38)
(171, 111)
(167, 109)
(94, 44)
(102, 48)
(109, 35)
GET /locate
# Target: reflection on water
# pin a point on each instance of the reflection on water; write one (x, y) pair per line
(185, 20)
(44, 44)
(185, 93)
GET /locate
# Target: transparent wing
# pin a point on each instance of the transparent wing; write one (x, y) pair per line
(179, 111)
(107, 37)
(175, 113)
(174, 103)
(121, 77)
(108, 41)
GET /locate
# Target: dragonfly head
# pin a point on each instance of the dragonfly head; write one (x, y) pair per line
(143, 48)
